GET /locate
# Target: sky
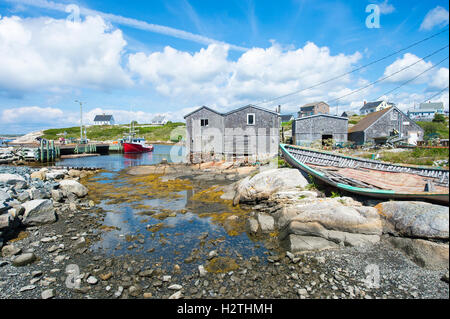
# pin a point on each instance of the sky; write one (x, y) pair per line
(139, 59)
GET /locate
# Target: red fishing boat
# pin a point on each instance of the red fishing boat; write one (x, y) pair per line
(132, 144)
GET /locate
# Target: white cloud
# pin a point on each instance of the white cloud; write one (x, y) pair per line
(440, 79)
(400, 63)
(50, 54)
(435, 17)
(210, 77)
(138, 24)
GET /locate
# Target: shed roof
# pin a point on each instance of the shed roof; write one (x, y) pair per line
(233, 111)
(368, 120)
(102, 118)
(310, 106)
(318, 115)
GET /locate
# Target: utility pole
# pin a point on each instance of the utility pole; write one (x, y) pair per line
(81, 119)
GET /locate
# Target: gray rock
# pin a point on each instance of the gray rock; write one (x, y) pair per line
(175, 287)
(38, 212)
(57, 195)
(415, 219)
(10, 250)
(13, 179)
(252, 225)
(266, 223)
(424, 253)
(296, 243)
(56, 174)
(264, 184)
(24, 259)
(73, 187)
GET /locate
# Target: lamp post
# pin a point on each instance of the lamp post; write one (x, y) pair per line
(81, 119)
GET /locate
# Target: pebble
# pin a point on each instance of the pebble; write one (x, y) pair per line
(24, 259)
(47, 294)
(175, 287)
(92, 280)
(176, 295)
(26, 288)
(202, 271)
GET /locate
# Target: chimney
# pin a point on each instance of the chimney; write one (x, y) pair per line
(279, 109)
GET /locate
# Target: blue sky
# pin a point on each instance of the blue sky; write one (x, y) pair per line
(138, 59)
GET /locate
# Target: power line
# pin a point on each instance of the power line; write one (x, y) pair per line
(354, 70)
(435, 94)
(388, 76)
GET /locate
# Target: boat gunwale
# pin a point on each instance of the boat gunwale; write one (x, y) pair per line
(364, 159)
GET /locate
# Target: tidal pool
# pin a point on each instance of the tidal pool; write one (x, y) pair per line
(176, 221)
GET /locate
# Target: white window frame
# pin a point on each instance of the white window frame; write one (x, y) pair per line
(254, 118)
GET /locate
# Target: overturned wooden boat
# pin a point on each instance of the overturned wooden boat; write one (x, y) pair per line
(370, 177)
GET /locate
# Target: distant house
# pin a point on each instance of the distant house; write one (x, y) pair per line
(371, 107)
(313, 109)
(426, 111)
(286, 118)
(319, 127)
(387, 122)
(104, 119)
(348, 114)
(159, 120)
(247, 131)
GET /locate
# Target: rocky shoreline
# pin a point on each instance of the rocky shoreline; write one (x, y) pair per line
(319, 247)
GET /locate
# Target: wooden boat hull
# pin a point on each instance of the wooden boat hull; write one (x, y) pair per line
(441, 197)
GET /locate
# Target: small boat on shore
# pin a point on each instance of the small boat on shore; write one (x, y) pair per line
(370, 177)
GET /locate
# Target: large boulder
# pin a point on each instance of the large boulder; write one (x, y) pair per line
(13, 179)
(264, 184)
(71, 186)
(336, 220)
(38, 212)
(415, 219)
(425, 253)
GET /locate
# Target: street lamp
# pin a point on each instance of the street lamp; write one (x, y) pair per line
(81, 119)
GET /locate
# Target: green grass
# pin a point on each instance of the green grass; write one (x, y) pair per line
(435, 128)
(287, 125)
(170, 131)
(417, 156)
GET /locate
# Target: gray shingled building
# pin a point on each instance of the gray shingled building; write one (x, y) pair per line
(385, 123)
(320, 127)
(248, 131)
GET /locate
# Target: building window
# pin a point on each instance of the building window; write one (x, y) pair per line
(251, 119)
(204, 122)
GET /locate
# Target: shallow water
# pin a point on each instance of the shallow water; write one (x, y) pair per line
(133, 207)
(116, 162)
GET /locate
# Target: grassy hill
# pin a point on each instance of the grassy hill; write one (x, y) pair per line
(170, 131)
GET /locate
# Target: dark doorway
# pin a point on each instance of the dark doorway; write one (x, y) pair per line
(326, 137)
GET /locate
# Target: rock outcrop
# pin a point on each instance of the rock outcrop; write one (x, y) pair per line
(262, 185)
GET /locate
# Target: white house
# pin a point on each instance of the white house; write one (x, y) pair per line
(426, 111)
(371, 107)
(104, 119)
(159, 120)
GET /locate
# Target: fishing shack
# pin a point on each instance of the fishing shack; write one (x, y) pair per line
(320, 127)
(249, 131)
(388, 122)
